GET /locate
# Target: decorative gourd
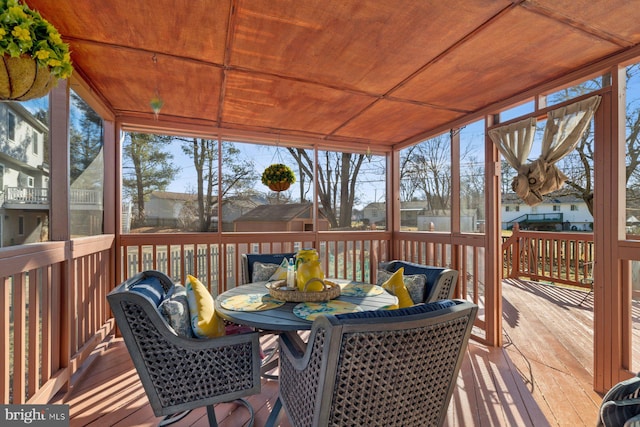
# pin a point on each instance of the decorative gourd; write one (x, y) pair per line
(309, 272)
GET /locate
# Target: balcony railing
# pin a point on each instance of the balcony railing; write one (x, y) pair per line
(27, 195)
(40, 196)
(53, 294)
(565, 257)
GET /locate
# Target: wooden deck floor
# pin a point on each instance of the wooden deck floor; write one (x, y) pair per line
(541, 377)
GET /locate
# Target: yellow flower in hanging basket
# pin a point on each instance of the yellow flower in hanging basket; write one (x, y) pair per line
(34, 56)
(278, 177)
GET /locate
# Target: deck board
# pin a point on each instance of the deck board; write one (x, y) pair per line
(540, 377)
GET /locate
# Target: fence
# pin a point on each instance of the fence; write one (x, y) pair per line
(565, 257)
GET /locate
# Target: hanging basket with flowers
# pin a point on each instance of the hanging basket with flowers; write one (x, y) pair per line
(278, 177)
(34, 56)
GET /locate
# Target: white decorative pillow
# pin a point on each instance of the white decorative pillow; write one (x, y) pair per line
(263, 272)
(175, 310)
(416, 284)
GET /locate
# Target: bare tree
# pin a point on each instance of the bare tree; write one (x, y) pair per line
(337, 181)
(236, 175)
(578, 166)
(426, 172)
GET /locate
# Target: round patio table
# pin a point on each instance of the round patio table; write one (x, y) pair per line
(282, 318)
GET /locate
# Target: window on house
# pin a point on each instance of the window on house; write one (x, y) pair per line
(556, 208)
(517, 208)
(30, 182)
(507, 208)
(574, 207)
(21, 225)
(11, 126)
(34, 138)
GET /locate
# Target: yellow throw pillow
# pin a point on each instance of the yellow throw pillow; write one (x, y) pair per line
(204, 320)
(395, 286)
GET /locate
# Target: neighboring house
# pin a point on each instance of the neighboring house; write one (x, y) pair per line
(416, 215)
(24, 177)
(376, 213)
(234, 207)
(165, 208)
(284, 217)
(178, 210)
(440, 220)
(557, 212)
(87, 197)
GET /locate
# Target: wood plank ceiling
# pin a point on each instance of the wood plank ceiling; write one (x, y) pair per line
(379, 72)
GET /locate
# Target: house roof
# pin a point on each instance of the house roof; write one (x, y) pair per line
(168, 195)
(277, 213)
(384, 72)
(557, 197)
(404, 206)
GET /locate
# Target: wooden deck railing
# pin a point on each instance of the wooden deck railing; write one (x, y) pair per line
(559, 257)
(216, 258)
(52, 296)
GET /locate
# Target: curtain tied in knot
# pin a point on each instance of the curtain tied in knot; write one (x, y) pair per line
(564, 128)
(536, 179)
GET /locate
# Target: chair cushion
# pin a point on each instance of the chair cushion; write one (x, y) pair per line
(620, 403)
(175, 309)
(395, 286)
(416, 284)
(150, 287)
(407, 311)
(204, 321)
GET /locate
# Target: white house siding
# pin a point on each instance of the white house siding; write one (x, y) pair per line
(24, 168)
(579, 219)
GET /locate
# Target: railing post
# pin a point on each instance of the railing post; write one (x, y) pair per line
(516, 255)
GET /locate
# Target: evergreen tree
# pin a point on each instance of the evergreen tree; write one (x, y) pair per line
(85, 139)
(146, 168)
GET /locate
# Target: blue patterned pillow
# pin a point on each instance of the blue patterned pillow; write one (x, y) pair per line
(151, 288)
(416, 284)
(175, 310)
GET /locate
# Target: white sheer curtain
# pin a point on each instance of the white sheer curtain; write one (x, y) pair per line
(565, 126)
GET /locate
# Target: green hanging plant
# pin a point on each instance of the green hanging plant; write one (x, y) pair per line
(278, 177)
(24, 31)
(32, 54)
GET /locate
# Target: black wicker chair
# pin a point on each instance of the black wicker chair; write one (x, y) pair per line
(178, 373)
(377, 368)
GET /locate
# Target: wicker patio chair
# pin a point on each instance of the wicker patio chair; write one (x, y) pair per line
(179, 373)
(440, 281)
(375, 368)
